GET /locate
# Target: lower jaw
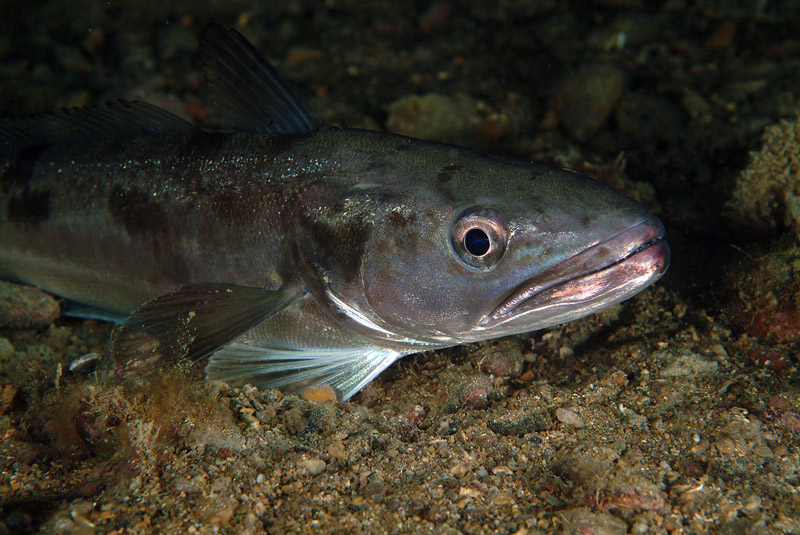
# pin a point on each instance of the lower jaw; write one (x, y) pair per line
(586, 294)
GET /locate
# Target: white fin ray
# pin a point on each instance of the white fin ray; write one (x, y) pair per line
(345, 370)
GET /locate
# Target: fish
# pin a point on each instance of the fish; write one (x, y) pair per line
(284, 253)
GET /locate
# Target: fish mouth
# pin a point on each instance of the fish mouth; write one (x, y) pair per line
(599, 276)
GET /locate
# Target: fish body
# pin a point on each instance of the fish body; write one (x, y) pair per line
(295, 254)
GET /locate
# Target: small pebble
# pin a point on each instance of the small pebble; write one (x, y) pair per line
(408, 425)
(313, 466)
(696, 106)
(476, 392)
(763, 451)
(753, 505)
(319, 393)
(459, 471)
(7, 395)
(640, 527)
(770, 359)
(719, 350)
(135, 483)
(301, 54)
(502, 497)
(569, 417)
(565, 352)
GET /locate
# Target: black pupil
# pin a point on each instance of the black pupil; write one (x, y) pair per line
(476, 242)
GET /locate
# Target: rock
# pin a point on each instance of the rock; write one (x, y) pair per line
(585, 99)
(583, 520)
(15, 451)
(71, 520)
(459, 119)
(626, 31)
(503, 359)
(195, 485)
(765, 296)
(686, 363)
(767, 193)
(521, 422)
(784, 410)
(177, 41)
(216, 510)
(433, 116)
(71, 58)
(604, 482)
(645, 116)
(6, 349)
(218, 434)
(26, 307)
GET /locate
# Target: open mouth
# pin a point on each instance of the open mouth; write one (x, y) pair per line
(602, 275)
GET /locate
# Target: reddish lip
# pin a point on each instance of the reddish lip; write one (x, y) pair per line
(603, 274)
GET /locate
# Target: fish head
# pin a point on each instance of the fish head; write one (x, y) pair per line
(501, 247)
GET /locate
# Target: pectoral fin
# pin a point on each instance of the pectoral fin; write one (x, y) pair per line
(191, 323)
(345, 370)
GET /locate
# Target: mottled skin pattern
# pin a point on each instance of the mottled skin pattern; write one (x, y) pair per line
(363, 216)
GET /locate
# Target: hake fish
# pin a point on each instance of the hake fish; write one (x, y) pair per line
(291, 254)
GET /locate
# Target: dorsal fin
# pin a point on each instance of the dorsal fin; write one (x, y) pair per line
(254, 96)
(115, 120)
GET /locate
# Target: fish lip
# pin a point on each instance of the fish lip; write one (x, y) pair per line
(618, 267)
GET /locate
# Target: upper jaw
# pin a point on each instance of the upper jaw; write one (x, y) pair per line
(601, 275)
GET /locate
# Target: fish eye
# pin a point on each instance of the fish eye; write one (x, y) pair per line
(479, 239)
